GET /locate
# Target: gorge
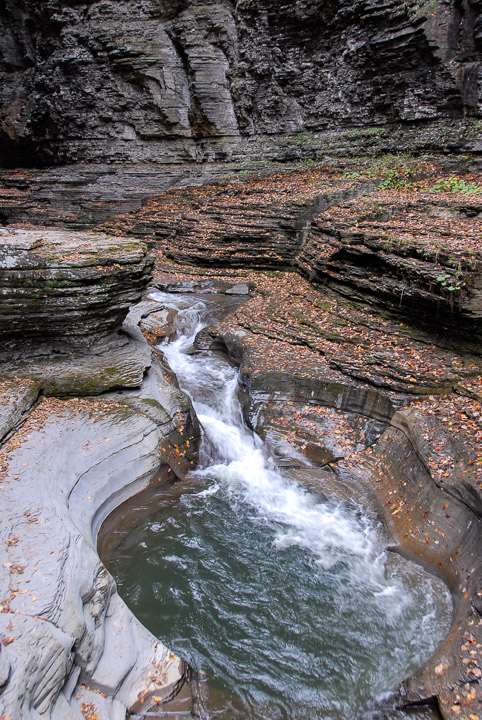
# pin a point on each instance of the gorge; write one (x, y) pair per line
(306, 176)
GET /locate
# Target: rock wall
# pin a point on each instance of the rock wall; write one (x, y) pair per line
(172, 80)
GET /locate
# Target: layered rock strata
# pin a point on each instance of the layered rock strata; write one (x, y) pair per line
(67, 289)
(174, 81)
(393, 454)
(434, 516)
(82, 196)
(334, 353)
(70, 648)
(413, 249)
(423, 251)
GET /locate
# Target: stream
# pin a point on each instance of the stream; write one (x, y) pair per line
(289, 604)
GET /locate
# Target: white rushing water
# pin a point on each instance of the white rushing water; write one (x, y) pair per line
(237, 459)
(289, 603)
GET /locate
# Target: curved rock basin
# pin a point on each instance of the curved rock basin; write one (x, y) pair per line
(287, 601)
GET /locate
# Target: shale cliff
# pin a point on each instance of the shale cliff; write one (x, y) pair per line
(179, 80)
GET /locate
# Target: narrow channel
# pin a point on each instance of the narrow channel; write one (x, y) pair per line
(288, 603)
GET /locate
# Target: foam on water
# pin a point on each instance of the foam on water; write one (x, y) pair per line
(238, 460)
(290, 603)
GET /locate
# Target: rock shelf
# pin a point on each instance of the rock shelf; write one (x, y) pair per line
(367, 390)
(385, 234)
(66, 288)
(70, 648)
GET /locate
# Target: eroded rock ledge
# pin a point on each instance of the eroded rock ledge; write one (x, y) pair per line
(70, 648)
(66, 288)
(68, 639)
(378, 410)
(383, 233)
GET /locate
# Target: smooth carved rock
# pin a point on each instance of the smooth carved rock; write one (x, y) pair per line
(65, 289)
(439, 522)
(174, 81)
(17, 396)
(63, 624)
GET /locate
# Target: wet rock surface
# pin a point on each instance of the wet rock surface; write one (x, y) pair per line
(394, 416)
(424, 470)
(434, 519)
(84, 647)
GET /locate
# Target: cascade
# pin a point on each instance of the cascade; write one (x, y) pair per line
(289, 602)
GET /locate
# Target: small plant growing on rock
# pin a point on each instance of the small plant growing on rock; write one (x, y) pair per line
(453, 283)
(397, 179)
(450, 282)
(350, 176)
(454, 184)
